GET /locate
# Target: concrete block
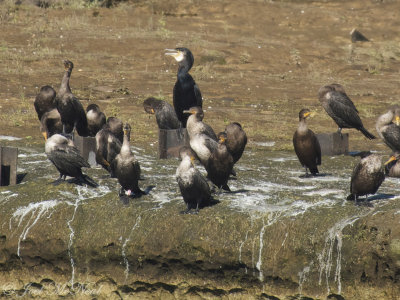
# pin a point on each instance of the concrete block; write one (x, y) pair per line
(170, 141)
(333, 143)
(87, 148)
(8, 165)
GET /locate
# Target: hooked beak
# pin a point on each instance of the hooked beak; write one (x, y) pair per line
(397, 120)
(192, 159)
(188, 112)
(178, 55)
(310, 114)
(44, 133)
(392, 158)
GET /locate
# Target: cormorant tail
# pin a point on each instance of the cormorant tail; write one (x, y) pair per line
(226, 187)
(367, 133)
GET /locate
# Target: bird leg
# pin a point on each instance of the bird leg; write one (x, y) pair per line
(340, 132)
(59, 180)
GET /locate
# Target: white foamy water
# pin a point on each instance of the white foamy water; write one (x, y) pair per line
(9, 138)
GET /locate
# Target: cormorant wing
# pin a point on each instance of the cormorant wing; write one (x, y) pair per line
(210, 144)
(317, 148)
(197, 93)
(82, 124)
(342, 98)
(392, 137)
(113, 147)
(344, 111)
(210, 132)
(67, 160)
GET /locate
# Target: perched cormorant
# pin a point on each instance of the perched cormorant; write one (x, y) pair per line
(127, 168)
(69, 107)
(96, 119)
(341, 109)
(202, 138)
(165, 113)
(367, 176)
(66, 158)
(108, 145)
(220, 164)
(236, 140)
(45, 100)
(388, 127)
(306, 144)
(193, 186)
(186, 92)
(50, 123)
(392, 166)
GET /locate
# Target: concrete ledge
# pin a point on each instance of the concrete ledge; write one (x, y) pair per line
(170, 141)
(333, 143)
(8, 163)
(87, 148)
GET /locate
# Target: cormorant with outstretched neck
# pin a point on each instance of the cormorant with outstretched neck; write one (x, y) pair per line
(367, 176)
(67, 159)
(96, 119)
(236, 140)
(45, 100)
(392, 166)
(202, 137)
(306, 144)
(186, 92)
(165, 114)
(108, 143)
(193, 186)
(341, 109)
(220, 164)
(388, 127)
(69, 107)
(127, 168)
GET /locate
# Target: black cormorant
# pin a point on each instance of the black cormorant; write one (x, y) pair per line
(341, 109)
(236, 140)
(165, 113)
(67, 159)
(193, 186)
(306, 144)
(220, 164)
(392, 166)
(186, 92)
(45, 100)
(202, 137)
(127, 168)
(388, 127)
(96, 119)
(367, 176)
(108, 145)
(69, 107)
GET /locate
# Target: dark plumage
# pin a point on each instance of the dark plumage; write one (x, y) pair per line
(220, 164)
(392, 166)
(165, 113)
(388, 127)
(69, 107)
(367, 176)
(193, 186)
(96, 119)
(108, 145)
(50, 123)
(306, 144)
(186, 92)
(45, 100)
(341, 109)
(236, 140)
(202, 137)
(127, 168)
(66, 158)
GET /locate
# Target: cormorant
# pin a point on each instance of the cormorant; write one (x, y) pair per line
(306, 144)
(69, 107)
(341, 109)
(108, 145)
(96, 119)
(236, 140)
(66, 158)
(193, 186)
(45, 100)
(186, 92)
(367, 176)
(202, 138)
(392, 166)
(127, 168)
(165, 113)
(388, 127)
(50, 123)
(220, 164)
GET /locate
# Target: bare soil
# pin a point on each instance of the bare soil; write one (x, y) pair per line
(256, 62)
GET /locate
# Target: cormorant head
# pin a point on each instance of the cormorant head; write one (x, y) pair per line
(182, 55)
(197, 111)
(305, 113)
(152, 104)
(395, 110)
(395, 157)
(187, 151)
(68, 65)
(127, 129)
(222, 137)
(93, 107)
(330, 88)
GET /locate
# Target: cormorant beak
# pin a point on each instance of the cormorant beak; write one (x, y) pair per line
(44, 133)
(222, 139)
(309, 114)
(392, 158)
(397, 120)
(178, 55)
(152, 110)
(192, 159)
(189, 112)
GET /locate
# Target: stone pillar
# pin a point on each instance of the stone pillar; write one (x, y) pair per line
(334, 143)
(170, 141)
(87, 148)
(8, 165)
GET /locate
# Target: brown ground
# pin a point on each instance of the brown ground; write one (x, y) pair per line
(256, 62)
